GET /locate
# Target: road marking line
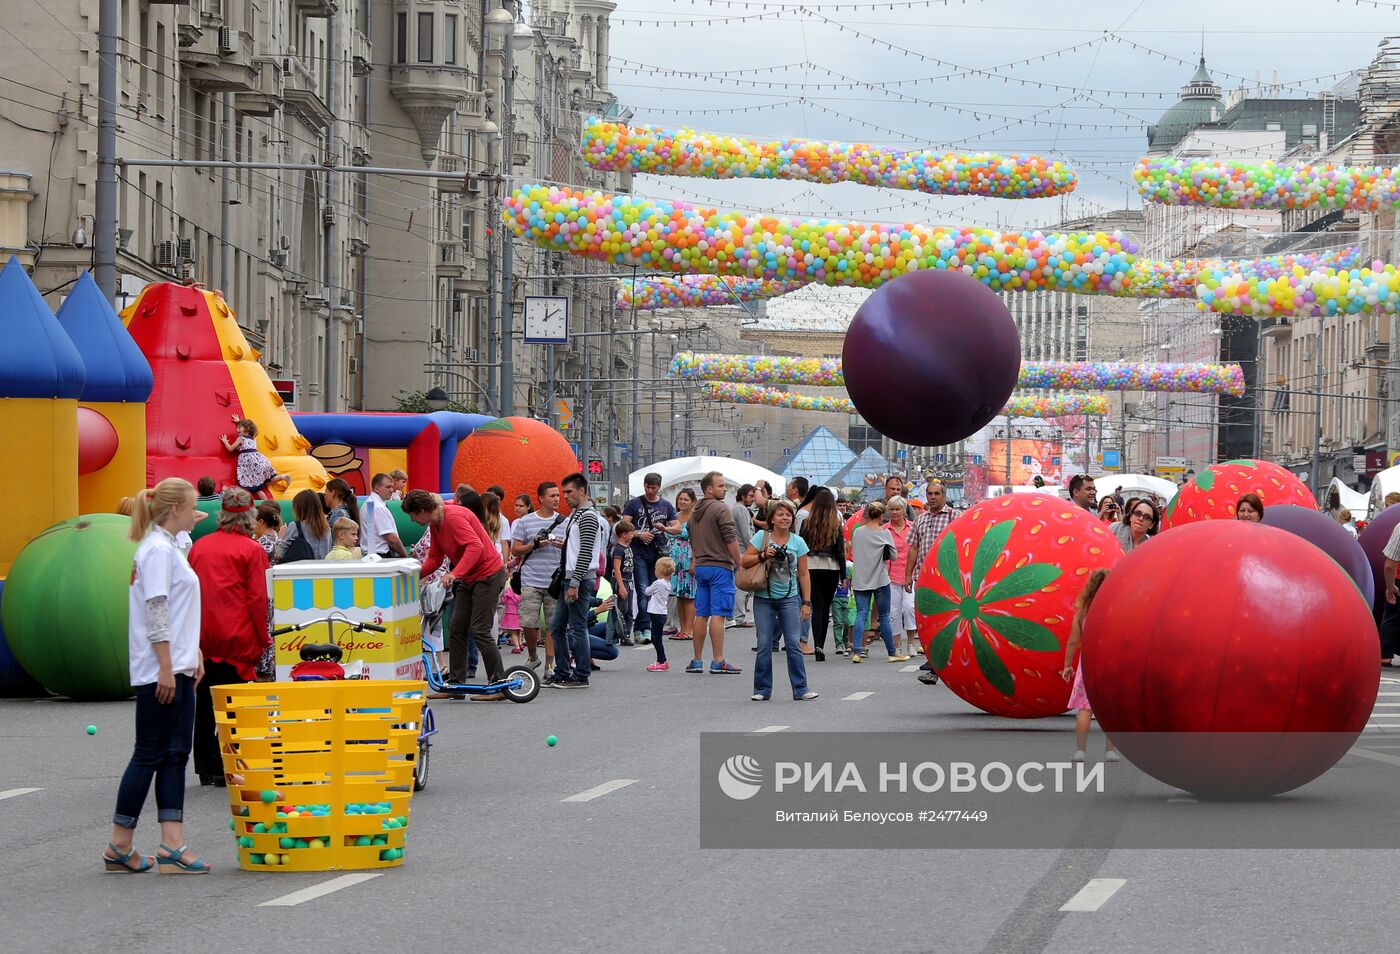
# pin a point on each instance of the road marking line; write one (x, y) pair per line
(857, 696)
(1388, 704)
(600, 790)
(1181, 800)
(1377, 756)
(318, 890)
(769, 729)
(917, 668)
(13, 792)
(1093, 895)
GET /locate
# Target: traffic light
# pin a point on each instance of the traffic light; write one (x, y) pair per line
(595, 466)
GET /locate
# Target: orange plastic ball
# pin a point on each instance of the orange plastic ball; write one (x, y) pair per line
(516, 452)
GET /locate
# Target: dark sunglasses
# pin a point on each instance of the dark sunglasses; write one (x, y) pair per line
(1144, 514)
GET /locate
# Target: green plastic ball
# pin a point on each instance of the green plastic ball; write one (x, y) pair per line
(268, 796)
(64, 613)
(92, 730)
(551, 740)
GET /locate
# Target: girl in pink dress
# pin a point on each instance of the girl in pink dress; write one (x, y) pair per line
(255, 471)
(510, 618)
(1077, 697)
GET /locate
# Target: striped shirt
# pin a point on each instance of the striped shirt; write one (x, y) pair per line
(581, 543)
(926, 530)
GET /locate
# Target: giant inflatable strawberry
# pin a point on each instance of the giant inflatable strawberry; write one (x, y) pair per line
(996, 598)
(1212, 494)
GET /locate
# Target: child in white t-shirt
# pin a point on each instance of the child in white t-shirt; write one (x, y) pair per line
(658, 594)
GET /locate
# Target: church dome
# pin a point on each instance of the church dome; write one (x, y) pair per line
(1200, 103)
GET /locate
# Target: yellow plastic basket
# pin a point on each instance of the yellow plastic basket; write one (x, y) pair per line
(327, 769)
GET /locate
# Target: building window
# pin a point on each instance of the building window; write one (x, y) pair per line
(1309, 129)
(425, 38)
(1273, 127)
(449, 40)
(401, 38)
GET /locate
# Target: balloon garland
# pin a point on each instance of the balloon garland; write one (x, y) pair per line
(1018, 406)
(1224, 184)
(697, 291)
(617, 147)
(679, 237)
(1180, 279)
(1050, 375)
(1304, 293)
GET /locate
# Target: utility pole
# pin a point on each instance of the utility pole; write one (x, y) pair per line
(225, 198)
(491, 240)
(506, 399)
(1317, 410)
(104, 221)
(331, 386)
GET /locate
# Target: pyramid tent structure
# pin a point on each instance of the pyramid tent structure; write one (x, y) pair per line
(819, 456)
(853, 474)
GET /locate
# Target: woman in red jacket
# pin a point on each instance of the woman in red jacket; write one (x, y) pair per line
(232, 571)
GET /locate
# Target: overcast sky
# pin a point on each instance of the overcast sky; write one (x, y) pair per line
(1296, 40)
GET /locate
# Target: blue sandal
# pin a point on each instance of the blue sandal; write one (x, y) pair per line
(119, 863)
(171, 864)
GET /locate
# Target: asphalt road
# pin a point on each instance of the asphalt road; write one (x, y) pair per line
(498, 860)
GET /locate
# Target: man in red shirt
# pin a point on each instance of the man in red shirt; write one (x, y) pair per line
(478, 576)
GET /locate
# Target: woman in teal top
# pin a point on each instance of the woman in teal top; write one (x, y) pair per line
(780, 608)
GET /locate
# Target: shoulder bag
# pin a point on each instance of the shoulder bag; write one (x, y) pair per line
(299, 549)
(752, 579)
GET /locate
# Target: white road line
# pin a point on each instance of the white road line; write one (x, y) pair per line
(13, 792)
(909, 669)
(1375, 756)
(1181, 800)
(857, 696)
(318, 890)
(600, 790)
(1093, 895)
(767, 729)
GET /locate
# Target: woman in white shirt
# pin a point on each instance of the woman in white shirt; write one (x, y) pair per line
(166, 665)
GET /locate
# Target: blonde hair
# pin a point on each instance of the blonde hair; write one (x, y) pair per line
(665, 568)
(344, 523)
(155, 505)
(874, 510)
(240, 521)
(897, 503)
(398, 475)
(125, 506)
(491, 507)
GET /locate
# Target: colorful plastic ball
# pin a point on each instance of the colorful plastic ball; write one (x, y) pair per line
(516, 452)
(551, 740)
(92, 730)
(287, 842)
(260, 829)
(256, 859)
(64, 608)
(1225, 659)
(269, 796)
(995, 600)
(1212, 494)
(364, 841)
(231, 825)
(931, 357)
(1327, 535)
(317, 843)
(286, 859)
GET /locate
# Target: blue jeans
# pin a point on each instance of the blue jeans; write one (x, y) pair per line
(882, 603)
(658, 642)
(570, 631)
(598, 645)
(643, 573)
(774, 617)
(164, 734)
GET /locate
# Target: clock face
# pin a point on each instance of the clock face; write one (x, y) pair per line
(547, 319)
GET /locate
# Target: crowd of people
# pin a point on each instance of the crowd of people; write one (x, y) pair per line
(568, 590)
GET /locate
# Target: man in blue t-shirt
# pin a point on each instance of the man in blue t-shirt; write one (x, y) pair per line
(648, 513)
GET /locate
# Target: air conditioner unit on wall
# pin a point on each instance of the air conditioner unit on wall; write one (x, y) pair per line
(186, 251)
(228, 41)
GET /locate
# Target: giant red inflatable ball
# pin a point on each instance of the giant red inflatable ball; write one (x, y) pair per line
(517, 453)
(1226, 659)
(1212, 494)
(931, 357)
(995, 600)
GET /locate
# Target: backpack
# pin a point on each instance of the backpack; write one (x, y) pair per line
(299, 549)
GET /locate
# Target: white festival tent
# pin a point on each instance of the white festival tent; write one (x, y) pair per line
(1134, 484)
(686, 472)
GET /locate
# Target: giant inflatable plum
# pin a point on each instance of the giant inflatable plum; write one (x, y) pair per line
(931, 357)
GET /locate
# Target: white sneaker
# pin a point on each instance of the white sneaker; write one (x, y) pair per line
(1078, 756)
(756, 697)
(807, 696)
(1111, 755)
